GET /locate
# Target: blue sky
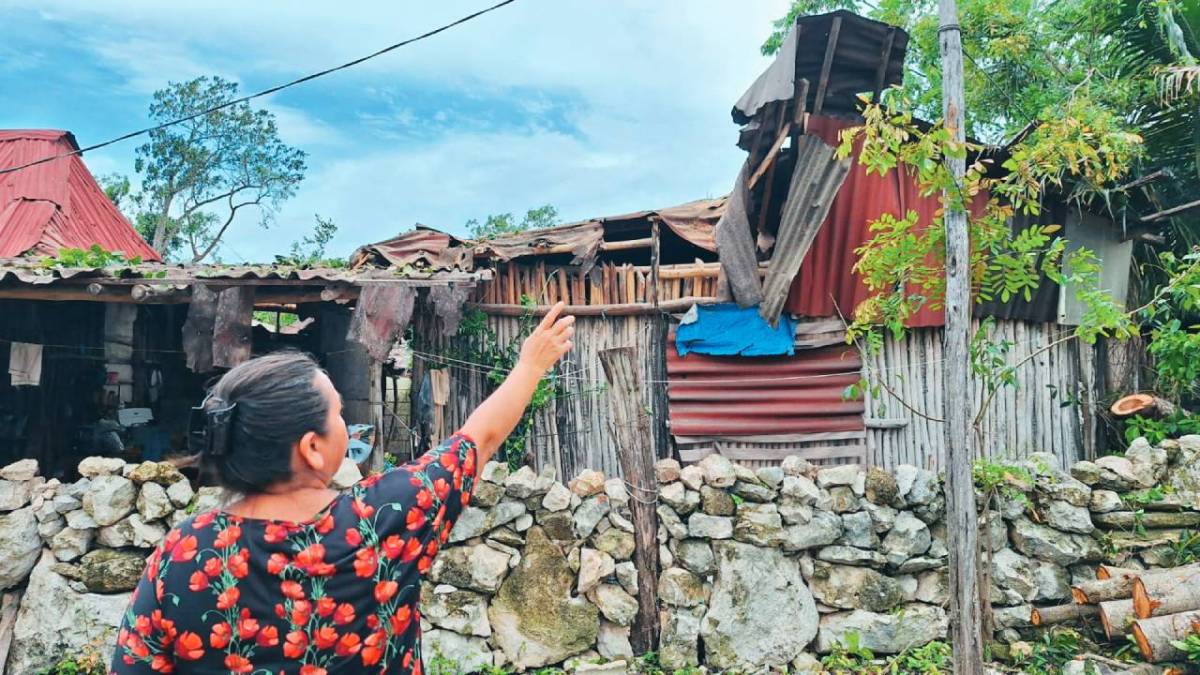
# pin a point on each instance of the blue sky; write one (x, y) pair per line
(595, 106)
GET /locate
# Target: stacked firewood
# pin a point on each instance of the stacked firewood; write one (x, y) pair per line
(1157, 607)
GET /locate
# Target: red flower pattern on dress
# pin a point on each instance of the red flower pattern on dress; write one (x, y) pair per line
(334, 594)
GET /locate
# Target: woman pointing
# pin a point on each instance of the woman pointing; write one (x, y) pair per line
(295, 577)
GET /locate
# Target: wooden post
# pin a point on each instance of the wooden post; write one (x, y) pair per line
(631, 428)
(961, 521)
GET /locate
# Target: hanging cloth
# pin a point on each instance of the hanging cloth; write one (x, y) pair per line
(25, 364)
(440, 383)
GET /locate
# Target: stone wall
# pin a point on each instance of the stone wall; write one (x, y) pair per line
(764, 568)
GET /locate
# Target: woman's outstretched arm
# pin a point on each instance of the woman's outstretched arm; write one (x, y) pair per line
(496, 417)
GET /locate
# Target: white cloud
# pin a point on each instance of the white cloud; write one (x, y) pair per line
(651, 85)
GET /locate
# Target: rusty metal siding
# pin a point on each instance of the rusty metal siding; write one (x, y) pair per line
(731, 396)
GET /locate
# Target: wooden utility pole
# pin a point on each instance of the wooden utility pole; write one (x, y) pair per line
(631, 428)
(961, 519)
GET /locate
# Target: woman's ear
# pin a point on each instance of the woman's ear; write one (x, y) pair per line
(309, 449)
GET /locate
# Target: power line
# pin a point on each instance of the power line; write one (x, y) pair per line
(264, 92)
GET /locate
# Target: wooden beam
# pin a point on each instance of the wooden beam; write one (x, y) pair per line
(966, 599)
(613, 309)
(1173, 211)
(627, 244)
(231, 336)
(631, 429)
(124, 294)
(772, 154)
(1143, 180)
(463, 279)
(830, 50)
(885, 58)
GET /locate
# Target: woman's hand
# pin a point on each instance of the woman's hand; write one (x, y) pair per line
(496, 417)
(549, 341)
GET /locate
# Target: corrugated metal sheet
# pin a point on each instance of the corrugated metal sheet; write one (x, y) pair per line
(817, 176)
(423, 247)
(28, 271)
(730, 396)
(57, 204)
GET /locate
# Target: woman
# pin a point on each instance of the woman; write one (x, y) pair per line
(294, 577)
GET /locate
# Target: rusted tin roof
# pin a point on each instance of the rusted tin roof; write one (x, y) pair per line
(735, 396)
(422, 247)
(34, 271)
(57, 204)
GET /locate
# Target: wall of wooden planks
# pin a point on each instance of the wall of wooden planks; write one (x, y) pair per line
(605, 284)
(573, 432)
(1049, 409)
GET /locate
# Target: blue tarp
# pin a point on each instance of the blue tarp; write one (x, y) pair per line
(729, 330)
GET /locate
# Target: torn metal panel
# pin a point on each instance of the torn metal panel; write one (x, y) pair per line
(448, 303)
(423, 247)
(816, 178)
(735, 245)
(198, 329)
(381, 314)
(695, 221)
(231, 336)
(581, 240)
(776, 83)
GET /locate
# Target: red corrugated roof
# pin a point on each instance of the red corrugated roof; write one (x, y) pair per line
(57, 204)
(826, 284)
(740, 396)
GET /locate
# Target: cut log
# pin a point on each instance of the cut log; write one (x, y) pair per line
(1153, 520)
(1115, 616)
(1048, 616)
(1166, 592)
(1101, 590)
(1110, 571)
(1155, 635)
(1142, 404)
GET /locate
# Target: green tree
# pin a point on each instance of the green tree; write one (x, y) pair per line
(310, 250)
(504, 223)
(198, 176)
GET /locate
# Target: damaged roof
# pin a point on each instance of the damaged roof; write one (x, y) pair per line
(426, 248)
(57, 205)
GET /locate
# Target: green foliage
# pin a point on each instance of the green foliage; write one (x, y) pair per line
(851, 657)
(477, 343)
(903, 263)
(1189, 646)
(94, 257)
(310, 250)
(92, 659)
(198, 176)
(276, 320)
(1009, 481)
(1186, 549)
(1049, 654)
(848, 657)
(504, 223)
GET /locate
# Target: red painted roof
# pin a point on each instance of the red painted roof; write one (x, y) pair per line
(57, 204)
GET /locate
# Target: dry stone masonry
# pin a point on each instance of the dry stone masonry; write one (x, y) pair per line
(760, 570)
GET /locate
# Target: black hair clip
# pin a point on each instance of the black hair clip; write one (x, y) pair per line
(209, 428)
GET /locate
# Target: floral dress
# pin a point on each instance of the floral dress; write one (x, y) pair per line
(335, 594)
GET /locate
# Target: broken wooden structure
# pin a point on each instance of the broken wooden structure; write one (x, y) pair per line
(783, 245)
(150, 337)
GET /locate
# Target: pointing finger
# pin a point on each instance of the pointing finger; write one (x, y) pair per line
(552, 315)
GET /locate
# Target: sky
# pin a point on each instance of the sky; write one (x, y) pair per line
(597, 107)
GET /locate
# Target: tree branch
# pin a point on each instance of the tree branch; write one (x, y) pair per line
(233, 209)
